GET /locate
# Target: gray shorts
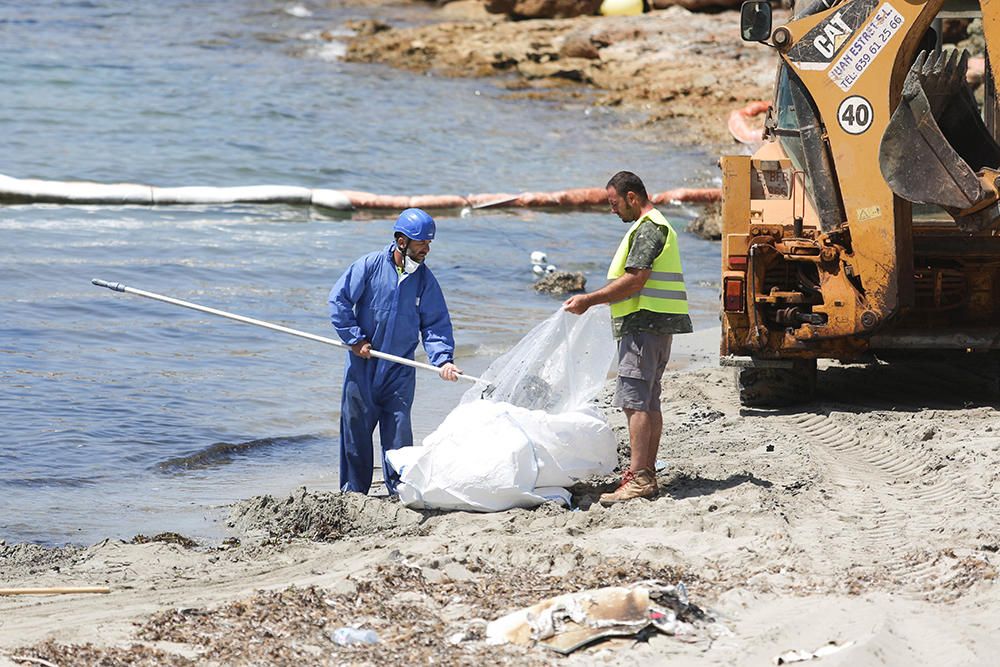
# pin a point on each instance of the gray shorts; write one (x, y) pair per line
(642, 358)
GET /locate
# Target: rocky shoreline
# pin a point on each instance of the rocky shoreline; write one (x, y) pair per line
(684, 71)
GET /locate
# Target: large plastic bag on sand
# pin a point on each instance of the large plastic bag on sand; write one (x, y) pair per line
(488, 456)
(455, 473)
(532, 435)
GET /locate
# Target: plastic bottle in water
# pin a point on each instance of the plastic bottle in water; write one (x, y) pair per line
(349, 636)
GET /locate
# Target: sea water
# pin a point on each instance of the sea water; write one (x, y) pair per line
(120, 415)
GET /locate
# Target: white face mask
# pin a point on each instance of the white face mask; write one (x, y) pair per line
(410, 265)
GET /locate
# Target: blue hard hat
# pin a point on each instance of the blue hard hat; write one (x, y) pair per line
(416, 224)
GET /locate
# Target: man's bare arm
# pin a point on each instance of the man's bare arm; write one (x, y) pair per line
(623, 287)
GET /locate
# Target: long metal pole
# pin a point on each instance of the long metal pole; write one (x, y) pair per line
(118, 287)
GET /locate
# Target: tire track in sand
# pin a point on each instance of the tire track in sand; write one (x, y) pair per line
(887, 494)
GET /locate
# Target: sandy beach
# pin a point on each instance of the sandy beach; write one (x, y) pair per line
(867, 519)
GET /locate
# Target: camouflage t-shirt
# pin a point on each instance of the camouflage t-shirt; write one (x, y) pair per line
(647, 244)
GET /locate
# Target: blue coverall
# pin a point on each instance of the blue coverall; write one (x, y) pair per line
(369, 303)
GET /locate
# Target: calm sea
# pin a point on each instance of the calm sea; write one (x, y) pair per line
(121, 415)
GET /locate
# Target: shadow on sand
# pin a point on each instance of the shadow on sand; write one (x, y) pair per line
(961, 383)
(585, 494)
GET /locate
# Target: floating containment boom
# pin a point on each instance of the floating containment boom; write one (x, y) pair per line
(33, 191)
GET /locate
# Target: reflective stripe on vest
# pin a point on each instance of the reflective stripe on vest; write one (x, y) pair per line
(664, 290)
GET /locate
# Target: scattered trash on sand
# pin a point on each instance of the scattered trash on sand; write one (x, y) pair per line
(569, 622)
(351, 636)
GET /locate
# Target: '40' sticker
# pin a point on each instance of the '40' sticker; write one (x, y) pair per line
(854, 115)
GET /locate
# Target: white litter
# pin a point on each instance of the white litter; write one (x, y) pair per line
(532, 436)
(571, 621)
(800, 655)
(539, 257)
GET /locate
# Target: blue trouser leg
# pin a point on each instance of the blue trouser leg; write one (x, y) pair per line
(395, 431)
(358, 416)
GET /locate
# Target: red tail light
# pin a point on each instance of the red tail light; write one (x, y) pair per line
(734, 295)
(738, 262)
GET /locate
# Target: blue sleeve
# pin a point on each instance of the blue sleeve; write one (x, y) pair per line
(435, 323)
(343, 297)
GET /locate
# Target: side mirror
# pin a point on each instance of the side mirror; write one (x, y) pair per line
(755, 20)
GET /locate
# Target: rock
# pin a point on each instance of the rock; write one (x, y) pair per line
(543, 9)
(621, 31)
(708, 224)
(974, 41)
(363, 28)
(561, 282)
(579, 45)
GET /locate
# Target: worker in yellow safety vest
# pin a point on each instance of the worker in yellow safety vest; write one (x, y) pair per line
(648, 306)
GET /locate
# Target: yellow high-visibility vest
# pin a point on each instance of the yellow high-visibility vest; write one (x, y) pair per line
(664, 292)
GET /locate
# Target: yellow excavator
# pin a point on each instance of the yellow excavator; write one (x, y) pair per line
(867, 225)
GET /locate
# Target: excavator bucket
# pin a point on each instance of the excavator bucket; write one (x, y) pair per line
(936, 140)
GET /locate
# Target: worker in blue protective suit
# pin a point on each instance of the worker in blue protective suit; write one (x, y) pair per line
(385, 301)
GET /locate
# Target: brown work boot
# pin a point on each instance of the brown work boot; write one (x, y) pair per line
(638, 484)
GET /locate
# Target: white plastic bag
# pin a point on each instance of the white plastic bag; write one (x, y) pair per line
(560, 365)
(533, 434)
(488, 468)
